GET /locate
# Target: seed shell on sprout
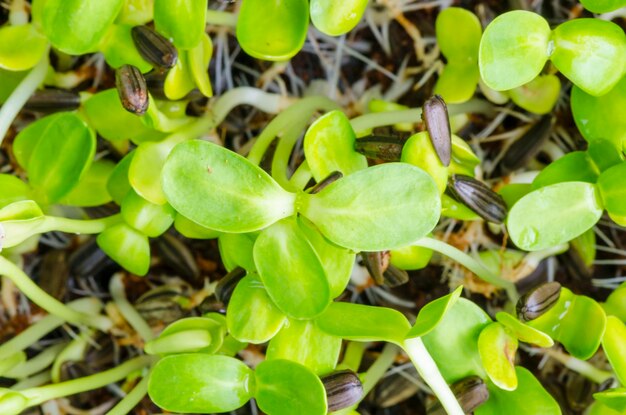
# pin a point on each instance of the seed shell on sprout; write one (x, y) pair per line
(538, 301)
(376, 264)
(471, 392)
(380, 147)
(528, 145)
(343, 389)
(226, 286)
(132, 89)
(154, 47)
(479, 197)
(331, 178)
(394, 277)
(435, 116)
(53, 100)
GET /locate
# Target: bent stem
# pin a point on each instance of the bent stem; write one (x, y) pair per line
(469, 263)
(49, 303)
(132, 316)
(126, 405)
(78, 226)
(428, 370)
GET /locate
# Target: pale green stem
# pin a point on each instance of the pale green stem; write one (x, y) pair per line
(42, 394)
(280, 161)
(36, 364)
(11, 362)
(132, 316)
(33, 381)
(131, 400)
(580, 366)
(78, 226)
(428, 370)
(20, 95)
(219, 18)
(49, 303)
(353, 356)
(265, 101)
(379, 367)
(301, 176)
(469, 263)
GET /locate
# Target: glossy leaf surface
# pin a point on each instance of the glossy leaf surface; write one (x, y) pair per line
(603, 6)
(419, 151)
(432, 314)
(497, 350)
(91, 190)
(108, 117)
(119, 50)
(524, 332)
(127, 247)
(221, 190)
(613, 398)
(118, 184)
(613, 344)
(613, 191)
(21, 47)
(336, 18)
(148, 218)
(13, 190)
(181, 20)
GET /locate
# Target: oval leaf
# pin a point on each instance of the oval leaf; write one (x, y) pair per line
(523, 331)
(613, 343)
(13, 190)
(497, 352)
(538, 96)
(221, 190)
(554, 215)
(572, 167)
(92, 187)
(21, 47)
(336, 18)
(613, 398)
(350, 213)
(127, 247)
(611, 185)
(181, 20)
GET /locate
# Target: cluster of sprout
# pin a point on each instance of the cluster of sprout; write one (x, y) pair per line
(289, 235)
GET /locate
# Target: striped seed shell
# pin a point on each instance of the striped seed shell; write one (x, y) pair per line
(376, 264)
(154, 47)
(343, 389)
(479, 197)
(132, 89)
(331, 178)
(380, 147)
(435, 116)
(538, 300)
(226, 286)
(471, 392)
(53, 100)
(394, 277)
(528, 145)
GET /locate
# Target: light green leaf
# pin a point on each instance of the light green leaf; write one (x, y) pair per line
(603, 6)
(591, 53)
(181, 20)
(18, 222)
(179, 80)
(613, 343)
(523, 331)
(457, 82)
(613, 192)
(127, 247)
(91, 190)
(119, 49)
(287, 388)
(198, 59)
(433, 313)
(252, 316)
(613, 398)
(21, 47)
(329, 146)
(136, 12)
(513, 49)
(221, 190)
(216, 332)
(554, 215)
(190, 229)
(604, 154)
(336, 18)
(273, 30)
(616, 303)
(382, 207)
(148, 218)
(291, 270)
(29, 137)
(236, 250)
(118, 184)
(497, 350)
(364, 323)
(200, 383)
(538, 96)
(572, 167)
(419, 151)
(13, 190)
(303, 342)
(411, 257)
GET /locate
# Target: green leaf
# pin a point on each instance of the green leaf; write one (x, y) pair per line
(616, 303)
(190, 229)
(382, 207)
(364, 323)
(29, 137)
(529, 398)
(150, 158)
(538, 96)
(287, 388)
(337, 261)
(457, 82)
(252, 316)
(107, 116)
(148, 218)
(554, 215)
(91, 190)
(13, 190)
(77, 26)
(576, 166)
(603, 6)
(174, 334)
(564, 320)
(221, 190)
(291, 270)
(524, 332)
(613, 192)
(452, 208)
(198, 59)
(18, 222)
(119, 49)
(585, 247)
(604, 154)
(591, 53)
(127, 247)
(598, 408)
(118, 184)
(182, 21)
(10, 81)
(433, 313)
(21, 47)
(200, 383)
(411, 257)
(61, 157)
(613, 343)
(600, 117)
(613, 398)
(513, 192)
(329, 146)
(236, 250)
(179, 80)
(303, 342)
(513, 49)
(273, 30)
(336, 18)
(136, 12)
(419, 151)
(453, 343)
(497, 350)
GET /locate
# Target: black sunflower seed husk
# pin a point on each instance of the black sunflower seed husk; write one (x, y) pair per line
(226, 286)
(154, 47)
(435, 116)
(343, 389)
(331, 178)
(132, 89)
(53, 100)
(479, 197)
(538, 301)
(380, 147)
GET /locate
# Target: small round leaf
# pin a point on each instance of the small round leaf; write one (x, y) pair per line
(336, 18)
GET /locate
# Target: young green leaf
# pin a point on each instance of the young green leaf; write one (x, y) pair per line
(21, 47)
(127, 247)
(148, 218)
(302, 341)
(118, 184)
(198, 59)
(190, 229)
(603, 6)
(221, 190)
(200, 383)
(591, 53)
(433, 313)
(419, 151)
(185, 336)
(554, 215)
(29, 137)
(350, 213)
(252, 316)
(91, 190)
(611, 185)
(616, 303)
(529, 398)
(497, 350)
(272, 30)
(181, 20)
(613, 398)
(179, 80)
(524, 332)
(576, 166)
(291, 270)
(329, 146)
(78, 26)
(336, 18)
(538, 96)
(236, 250)
(13, 190)
(18, 222)
(410, 257)
(364, 323)
(604, 154)
(613, 344)
(513, 49)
